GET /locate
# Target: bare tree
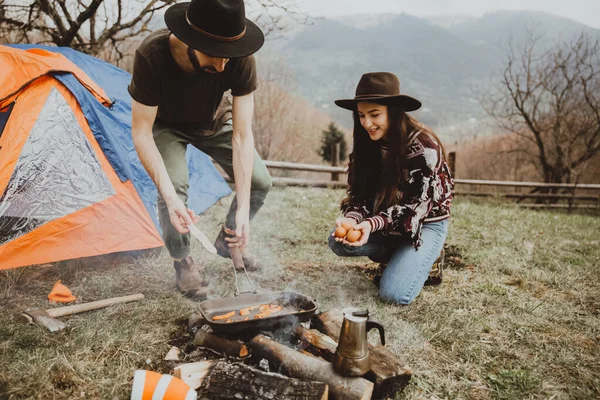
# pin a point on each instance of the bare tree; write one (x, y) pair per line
(276, 16)
(285, 126)
(272, 103)
(92, 26)
(551, 101)
(106, 28)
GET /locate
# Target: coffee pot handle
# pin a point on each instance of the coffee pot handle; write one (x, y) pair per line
(374, 323)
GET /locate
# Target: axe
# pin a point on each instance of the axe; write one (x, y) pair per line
(47, 318)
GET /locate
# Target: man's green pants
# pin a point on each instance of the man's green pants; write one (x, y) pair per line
(172, 144)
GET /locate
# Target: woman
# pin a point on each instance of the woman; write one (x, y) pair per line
(399, 188)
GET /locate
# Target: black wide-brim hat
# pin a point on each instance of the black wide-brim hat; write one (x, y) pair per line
(380, 87)
(217, 28)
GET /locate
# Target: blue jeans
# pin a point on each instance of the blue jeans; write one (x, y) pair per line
(407, 268)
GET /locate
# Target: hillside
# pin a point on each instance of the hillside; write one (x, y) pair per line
(441, 65)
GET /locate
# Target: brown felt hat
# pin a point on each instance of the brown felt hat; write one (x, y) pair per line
(218, 28)
(380, 87)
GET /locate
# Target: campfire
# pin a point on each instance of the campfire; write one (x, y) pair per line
(277, 347)
(285, 356)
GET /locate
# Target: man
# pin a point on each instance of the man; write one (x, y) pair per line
(180, 75)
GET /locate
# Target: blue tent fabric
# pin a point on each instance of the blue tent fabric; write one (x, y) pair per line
(111, 127)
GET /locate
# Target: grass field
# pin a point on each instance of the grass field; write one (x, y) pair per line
(517, 317)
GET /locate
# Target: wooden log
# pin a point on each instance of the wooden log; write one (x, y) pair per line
(324, 345)
(388, 372)
(220, 345)
(238, 381)
(195, 374)
(295, 364)
(173, 354)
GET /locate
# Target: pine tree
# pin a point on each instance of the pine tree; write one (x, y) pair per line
(331, 136)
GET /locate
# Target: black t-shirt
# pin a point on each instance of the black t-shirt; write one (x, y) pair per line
(186, 98)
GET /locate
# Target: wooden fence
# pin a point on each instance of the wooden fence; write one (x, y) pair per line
(527, 194)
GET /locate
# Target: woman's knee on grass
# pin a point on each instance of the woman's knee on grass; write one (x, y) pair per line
(392, 294)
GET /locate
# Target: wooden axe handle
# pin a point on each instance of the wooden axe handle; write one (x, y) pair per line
(236, 256)
(77, 308)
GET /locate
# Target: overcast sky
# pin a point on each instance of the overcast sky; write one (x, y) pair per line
(584, 11)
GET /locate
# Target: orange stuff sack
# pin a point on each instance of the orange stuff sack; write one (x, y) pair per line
(61, 294)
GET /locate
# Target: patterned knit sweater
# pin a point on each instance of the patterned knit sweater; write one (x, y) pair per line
(426, 197)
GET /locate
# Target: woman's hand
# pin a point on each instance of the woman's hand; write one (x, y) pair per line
(347, 223)
(365, 230)
(363, 227)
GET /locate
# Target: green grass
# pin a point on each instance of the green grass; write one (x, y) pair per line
(517, 316)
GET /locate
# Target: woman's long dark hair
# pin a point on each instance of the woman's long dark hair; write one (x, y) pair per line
(372, 178)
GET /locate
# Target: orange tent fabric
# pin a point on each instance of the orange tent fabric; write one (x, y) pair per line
(59, 196)
(19, 68)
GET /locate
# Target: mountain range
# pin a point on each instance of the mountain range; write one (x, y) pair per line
(443, 61)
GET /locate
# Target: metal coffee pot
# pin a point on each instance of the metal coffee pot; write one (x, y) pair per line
(352, 354)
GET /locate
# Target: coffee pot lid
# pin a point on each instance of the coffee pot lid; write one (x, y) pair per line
(356, 314)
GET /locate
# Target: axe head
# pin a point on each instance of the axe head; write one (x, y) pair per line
(42, 318)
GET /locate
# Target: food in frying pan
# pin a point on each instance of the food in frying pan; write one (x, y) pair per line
(224, 316)
(264, 310)
(246, 311)
(267, 311)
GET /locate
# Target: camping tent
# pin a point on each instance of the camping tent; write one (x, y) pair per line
(71, 184)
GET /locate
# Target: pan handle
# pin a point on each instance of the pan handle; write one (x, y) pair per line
(238, 262)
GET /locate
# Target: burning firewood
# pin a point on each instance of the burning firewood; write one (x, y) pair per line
(238, 381)
(295, 364)
(220, 345)
(317, 339)
(195, 374)
(389, 373)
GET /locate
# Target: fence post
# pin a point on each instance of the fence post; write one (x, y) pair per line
(571, 200)
(335, 160)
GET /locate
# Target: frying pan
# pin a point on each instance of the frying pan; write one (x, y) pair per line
(296, 308)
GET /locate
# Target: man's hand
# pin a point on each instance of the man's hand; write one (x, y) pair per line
(242, 231)
(142, 118)
(181, 216)
(242, 144)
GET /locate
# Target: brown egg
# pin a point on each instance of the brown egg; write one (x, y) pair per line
(353, 235)
(340, 232)
(346, 226)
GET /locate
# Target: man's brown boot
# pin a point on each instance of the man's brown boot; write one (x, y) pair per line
(251, 262)
(188, 279)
